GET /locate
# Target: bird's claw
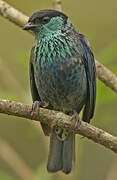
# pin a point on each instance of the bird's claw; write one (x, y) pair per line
(77, 120)
(35, 107)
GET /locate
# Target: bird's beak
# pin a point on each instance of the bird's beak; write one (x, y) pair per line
(30, 26)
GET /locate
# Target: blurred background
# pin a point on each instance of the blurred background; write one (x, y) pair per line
(98, 21)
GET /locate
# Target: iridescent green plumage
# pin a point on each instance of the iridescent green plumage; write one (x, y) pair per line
(51, 43)
(62, 74)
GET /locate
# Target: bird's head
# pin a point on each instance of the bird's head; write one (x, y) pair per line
(46, 21)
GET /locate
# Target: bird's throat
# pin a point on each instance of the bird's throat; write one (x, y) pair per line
(53, 46)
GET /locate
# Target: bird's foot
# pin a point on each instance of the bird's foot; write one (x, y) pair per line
(77, 120)
(35, 108)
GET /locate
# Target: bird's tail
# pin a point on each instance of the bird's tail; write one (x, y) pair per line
(61, 153)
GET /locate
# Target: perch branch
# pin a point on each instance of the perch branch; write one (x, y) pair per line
(7, 11)
(55, 118)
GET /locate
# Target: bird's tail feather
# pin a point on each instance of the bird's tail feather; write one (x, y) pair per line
(55, 154)
(68, 154)
(61, 153)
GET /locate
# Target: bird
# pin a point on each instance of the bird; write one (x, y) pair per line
(63, 75)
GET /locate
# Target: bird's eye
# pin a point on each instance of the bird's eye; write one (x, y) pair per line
(46, 19)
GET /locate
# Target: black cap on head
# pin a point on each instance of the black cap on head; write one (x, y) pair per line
(47, 12)
(40, 15)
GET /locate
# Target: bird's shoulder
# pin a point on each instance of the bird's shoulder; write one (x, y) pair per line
(32, 54)
(85, 45)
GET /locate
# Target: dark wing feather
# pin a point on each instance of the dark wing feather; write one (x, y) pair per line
(34, 91)
(88, 60)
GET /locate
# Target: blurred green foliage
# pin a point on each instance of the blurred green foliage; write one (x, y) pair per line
(98, 21)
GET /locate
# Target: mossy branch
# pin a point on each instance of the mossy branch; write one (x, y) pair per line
(18, 18)
(55, 118)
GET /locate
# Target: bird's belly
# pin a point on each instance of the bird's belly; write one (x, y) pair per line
(64, 88)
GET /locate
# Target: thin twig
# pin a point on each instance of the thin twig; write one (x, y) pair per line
(104, 74)
(9, 155)
(57, 5)
(12, 14)
(55, 118)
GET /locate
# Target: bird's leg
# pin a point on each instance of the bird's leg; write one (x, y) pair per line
(36, 106)
(77, 118)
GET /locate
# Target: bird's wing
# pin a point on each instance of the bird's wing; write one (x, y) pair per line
(34, 91)
(89, 63)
